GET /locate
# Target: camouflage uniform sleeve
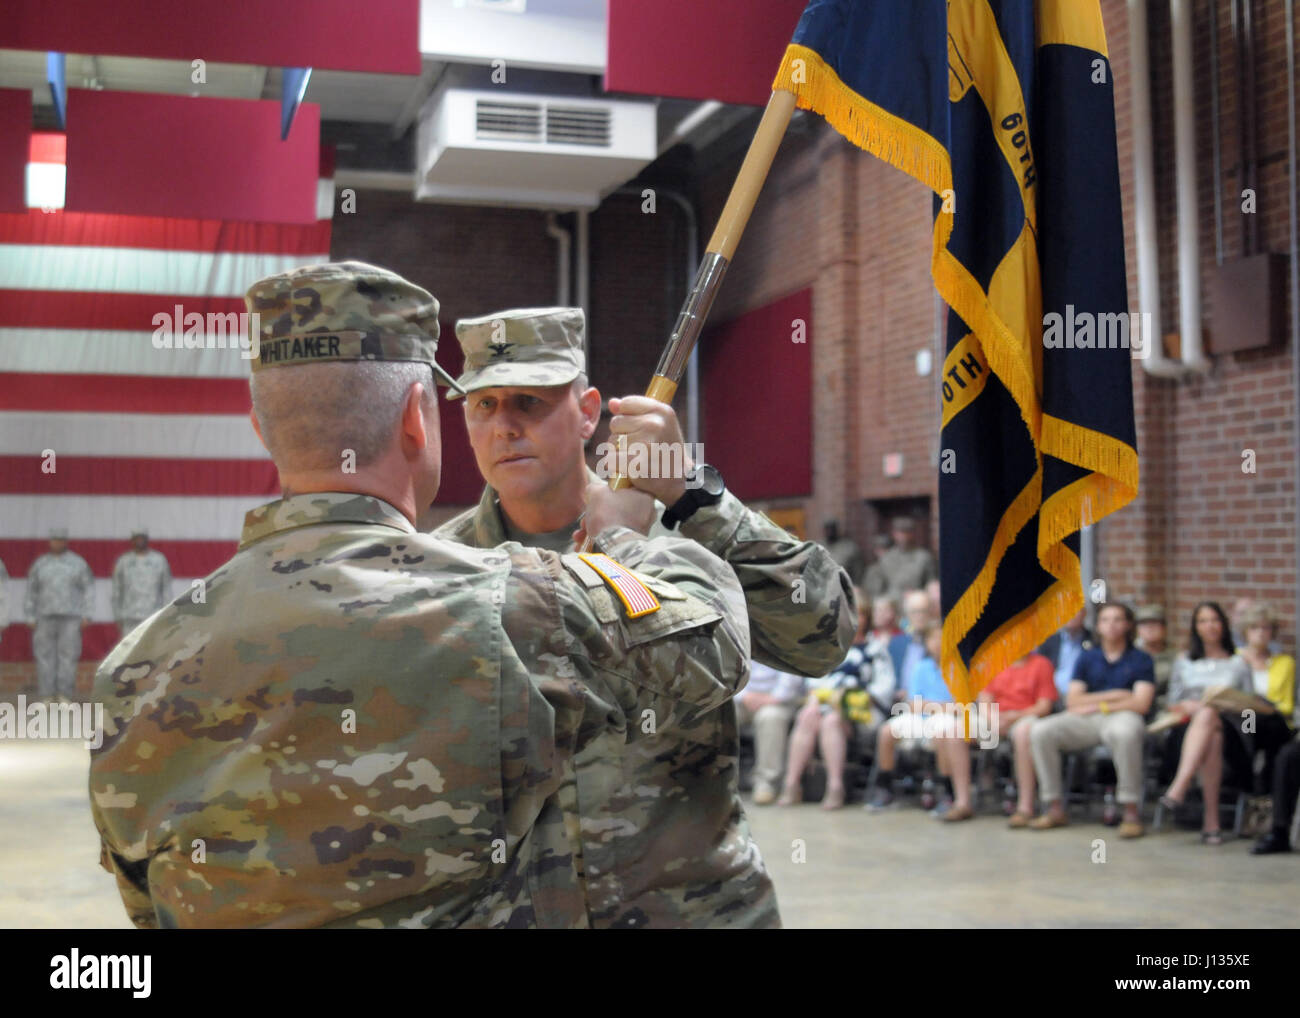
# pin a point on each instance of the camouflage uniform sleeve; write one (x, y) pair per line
(164, 583)
(132, 885)
(119, 585)
(802, 613)
(33, 585)
(670, 666)
(128, 864)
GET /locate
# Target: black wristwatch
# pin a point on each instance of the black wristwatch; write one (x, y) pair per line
(704, 486)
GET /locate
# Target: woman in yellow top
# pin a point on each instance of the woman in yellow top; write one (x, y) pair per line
(1274, 679)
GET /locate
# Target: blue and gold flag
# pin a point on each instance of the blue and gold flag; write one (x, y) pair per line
(1005, 109)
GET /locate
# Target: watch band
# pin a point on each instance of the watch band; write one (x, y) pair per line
(694, 499)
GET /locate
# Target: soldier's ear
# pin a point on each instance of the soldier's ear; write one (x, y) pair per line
(252, 416)
(589, 403)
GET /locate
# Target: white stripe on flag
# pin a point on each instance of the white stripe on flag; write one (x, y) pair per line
(111, 517)
(135, 270)
(112, 352)
(169, 436)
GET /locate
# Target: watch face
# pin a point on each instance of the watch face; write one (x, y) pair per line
(710, 480)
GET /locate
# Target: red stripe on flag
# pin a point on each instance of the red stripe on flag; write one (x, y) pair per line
(137, 394)
(163, 233)
(121, 475)
(54, 309)
(187, 558)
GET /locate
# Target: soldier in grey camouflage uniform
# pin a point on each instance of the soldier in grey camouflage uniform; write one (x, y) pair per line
(352, 723)
(664, 837)
(59, 592)
(142, 583)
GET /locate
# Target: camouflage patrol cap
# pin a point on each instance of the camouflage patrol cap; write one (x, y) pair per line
(1151, 613)
(343, 311)
(524, 346)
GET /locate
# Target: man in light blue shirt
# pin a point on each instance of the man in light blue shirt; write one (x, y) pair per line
(1064, 648)
(916, 609)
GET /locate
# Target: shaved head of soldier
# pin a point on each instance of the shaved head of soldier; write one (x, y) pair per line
(367, 426)
(344, 383)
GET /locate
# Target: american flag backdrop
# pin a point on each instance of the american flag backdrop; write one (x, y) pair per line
(140, 436)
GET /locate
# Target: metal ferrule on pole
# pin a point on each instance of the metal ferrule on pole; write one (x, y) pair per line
(690, 321)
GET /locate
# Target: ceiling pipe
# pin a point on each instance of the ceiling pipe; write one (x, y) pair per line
(689, 123)
(1294, 175)
(1154, 361)
(1191, 344)
(582, 270)
(562, 243)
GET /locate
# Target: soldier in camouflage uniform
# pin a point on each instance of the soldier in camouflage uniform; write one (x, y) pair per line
(59, 592)
(142, 583)
(664, 838)
(355, 724)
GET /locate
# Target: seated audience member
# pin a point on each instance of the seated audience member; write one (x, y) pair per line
(884, 627)
(936, 605)
(826, 720)
(1063, 649)
(925, 682)
(1273, 678)
(1286, 789)
(767, 703)
(1022, 692)
(1201, 745)
(1153, 639)
(916, 617)
(1105, 704)
(1240, 609)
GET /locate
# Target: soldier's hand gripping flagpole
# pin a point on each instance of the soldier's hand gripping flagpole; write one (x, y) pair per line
(718, 255)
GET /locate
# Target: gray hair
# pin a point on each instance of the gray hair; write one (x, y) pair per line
(311, 414)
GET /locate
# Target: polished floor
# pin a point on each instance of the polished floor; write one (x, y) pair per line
(845, 869)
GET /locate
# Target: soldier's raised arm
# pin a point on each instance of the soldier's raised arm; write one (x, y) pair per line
(802, 614)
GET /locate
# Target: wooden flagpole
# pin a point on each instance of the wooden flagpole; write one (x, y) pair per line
(718, 255)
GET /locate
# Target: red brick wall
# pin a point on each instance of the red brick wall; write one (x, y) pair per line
(1201, 528)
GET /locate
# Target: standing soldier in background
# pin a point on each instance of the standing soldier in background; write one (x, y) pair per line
(59, 592)
(845, 551)
(664, 838)
(906, 566)
(142, 583)
(361, 725)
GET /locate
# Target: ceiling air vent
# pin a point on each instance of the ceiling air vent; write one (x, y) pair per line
(498, 121)
(481, 147)
(572, 125)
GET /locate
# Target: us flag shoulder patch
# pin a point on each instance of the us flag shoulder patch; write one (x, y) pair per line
(635, 595)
